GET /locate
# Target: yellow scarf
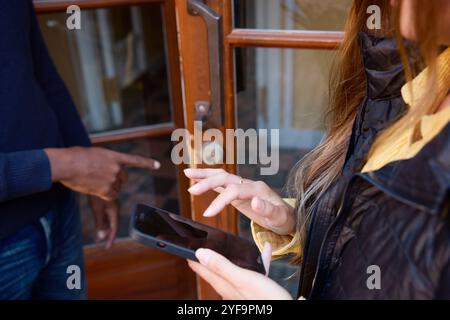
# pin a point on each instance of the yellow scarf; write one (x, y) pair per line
(401, 148)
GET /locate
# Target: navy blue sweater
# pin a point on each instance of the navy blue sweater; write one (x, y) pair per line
(36, 112)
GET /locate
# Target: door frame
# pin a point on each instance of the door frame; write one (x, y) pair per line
(194, 63)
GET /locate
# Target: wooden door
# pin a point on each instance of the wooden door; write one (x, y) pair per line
(197, 38)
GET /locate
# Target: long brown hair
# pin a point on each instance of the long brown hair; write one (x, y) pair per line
(317, 171)
(321, 167)
(425, 23)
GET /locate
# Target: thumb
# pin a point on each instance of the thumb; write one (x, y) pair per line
(219, 265)
(264, 208)
(270, 215)
(266, 257)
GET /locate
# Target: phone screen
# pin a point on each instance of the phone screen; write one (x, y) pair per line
(185, 233)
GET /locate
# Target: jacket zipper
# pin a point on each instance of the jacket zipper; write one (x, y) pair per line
(325, 240)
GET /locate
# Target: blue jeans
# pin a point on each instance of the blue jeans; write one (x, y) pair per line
(34, 262)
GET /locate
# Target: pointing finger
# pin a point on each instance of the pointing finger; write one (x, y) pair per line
(194, 173)
(213, 182)
(137, 161)
(230, 194)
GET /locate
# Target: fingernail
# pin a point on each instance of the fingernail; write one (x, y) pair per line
(202, 256)
(187, 170)
(101, 235)
(193, 188)
(157, 165)
(207, 214)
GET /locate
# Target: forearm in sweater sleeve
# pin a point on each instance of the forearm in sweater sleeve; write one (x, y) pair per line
(282, 245)
(56, 93)
(24, 173)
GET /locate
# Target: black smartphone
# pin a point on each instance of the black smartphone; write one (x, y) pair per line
(181, 236)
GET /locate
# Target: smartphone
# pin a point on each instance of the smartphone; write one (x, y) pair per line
(181, 236)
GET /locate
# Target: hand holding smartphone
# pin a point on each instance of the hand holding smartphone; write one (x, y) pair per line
(182, 236)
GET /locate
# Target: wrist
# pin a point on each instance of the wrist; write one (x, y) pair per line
(59, 164)
(291, 223)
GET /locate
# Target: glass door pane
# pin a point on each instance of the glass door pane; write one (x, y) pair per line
(285, 90)
(116, 70)
(115, 66)
(324, 15)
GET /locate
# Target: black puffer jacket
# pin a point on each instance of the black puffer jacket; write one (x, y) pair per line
(395, 219)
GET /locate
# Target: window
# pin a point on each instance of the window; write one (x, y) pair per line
(116, 70)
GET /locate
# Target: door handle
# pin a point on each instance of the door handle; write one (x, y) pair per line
(211, 113)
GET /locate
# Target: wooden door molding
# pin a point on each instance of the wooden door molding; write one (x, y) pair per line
(324, 40)
(47, 6)
(192, 42)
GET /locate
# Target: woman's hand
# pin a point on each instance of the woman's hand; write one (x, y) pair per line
(254, 199)
(94, 171)
(233, 282)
